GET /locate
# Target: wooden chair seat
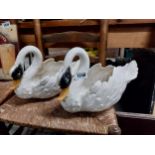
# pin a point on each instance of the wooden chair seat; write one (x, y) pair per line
(43, 114)
(5, 91)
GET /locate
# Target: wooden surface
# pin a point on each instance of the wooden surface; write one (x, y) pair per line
(81, 22)
(136, 124)
(71, 36)
(118, 37)
(131, 21)
(123, 33)
(7, 58)
(103, 41)
(38, 35)
(55, 23)
(43, 114)
(5, 91)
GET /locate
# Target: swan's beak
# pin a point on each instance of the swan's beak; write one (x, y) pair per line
(15, 84)
(63, 94)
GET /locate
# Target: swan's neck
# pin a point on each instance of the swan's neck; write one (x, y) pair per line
(84, 59)
(36, 63)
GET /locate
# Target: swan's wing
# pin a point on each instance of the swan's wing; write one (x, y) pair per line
(104, 94)
(45, 82)
(46, 77)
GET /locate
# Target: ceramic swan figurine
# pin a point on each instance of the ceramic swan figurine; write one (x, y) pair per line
(39, 80)
(98, 90)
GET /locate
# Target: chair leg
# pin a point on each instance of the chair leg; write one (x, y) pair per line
(114, 130)
(38, 35)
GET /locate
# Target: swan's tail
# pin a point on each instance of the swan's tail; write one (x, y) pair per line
(129, 71)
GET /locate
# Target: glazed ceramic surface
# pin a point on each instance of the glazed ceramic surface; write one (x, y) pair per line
(101, 88)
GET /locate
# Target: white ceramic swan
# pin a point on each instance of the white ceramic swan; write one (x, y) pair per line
(98, 90)
(39, 80)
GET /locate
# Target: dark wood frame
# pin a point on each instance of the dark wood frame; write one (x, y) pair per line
(127, 33)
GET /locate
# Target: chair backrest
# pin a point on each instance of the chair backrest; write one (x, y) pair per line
(74, 38)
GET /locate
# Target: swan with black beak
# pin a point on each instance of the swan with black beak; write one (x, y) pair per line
(93, 89)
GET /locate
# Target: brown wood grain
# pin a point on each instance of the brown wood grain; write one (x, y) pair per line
(5, 91)
(56, 23)
(131, 21)
(103, 41)
(0, 64)
(27, 38)
(88, 22)
(70, 37)
(118, 37)
(44, 114)
(73, 44)
(136, 124)
(38, 35)
(7, 56)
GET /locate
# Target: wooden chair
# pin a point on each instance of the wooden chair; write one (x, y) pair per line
(44, 113)
(74, 38)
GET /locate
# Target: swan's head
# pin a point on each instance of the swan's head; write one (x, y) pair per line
(64, 83)
(16, 73)
(71, 69)
(18, 70)
(65, 79)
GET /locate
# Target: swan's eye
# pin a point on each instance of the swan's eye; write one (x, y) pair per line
(17, 73)
(66, 79)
